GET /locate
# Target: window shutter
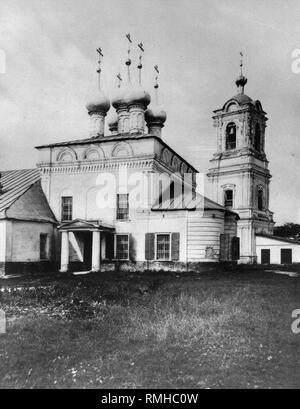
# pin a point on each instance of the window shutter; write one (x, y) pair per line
(224, 247)
(149, 246)
(110, 245)
(175, 246)
(132, 250)
(235, 248)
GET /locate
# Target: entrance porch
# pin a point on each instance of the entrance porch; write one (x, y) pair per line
(82, 244)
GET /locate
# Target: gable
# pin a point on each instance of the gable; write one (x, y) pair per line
(32, 205)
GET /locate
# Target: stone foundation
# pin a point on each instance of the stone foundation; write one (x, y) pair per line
(22, 268)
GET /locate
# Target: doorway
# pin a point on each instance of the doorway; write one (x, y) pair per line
(265, 256)
(286, 256)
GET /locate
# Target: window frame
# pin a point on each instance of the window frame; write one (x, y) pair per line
(62, 209)
(115, 246)
(232, 200)
(46, 248)
(170, 246)
(118, 208)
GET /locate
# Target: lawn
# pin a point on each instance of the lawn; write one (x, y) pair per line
(212, 330)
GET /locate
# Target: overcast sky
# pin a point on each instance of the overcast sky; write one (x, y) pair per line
(51, 61)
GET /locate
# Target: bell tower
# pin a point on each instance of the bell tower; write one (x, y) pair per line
(239, 177)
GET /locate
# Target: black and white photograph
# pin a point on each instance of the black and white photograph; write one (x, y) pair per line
(149, 197)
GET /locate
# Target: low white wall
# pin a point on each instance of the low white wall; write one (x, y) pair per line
(24, 243)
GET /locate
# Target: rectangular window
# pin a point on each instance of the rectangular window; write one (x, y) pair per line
(163, 247)
(43, 246)
(228, 198)
(122, 246)
(66, 208)
(122, 206)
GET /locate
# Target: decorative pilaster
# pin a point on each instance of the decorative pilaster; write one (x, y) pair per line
(96, 251)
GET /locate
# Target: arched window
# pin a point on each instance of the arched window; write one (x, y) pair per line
(257, 138)
(228, 198)
(260, 199)
(230, 136)
(172, 186)
(160, 192)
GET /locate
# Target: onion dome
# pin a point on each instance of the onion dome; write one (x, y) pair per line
(119, 97)
(241, 81)
(137, 95)
(155, 114)
(98, 102)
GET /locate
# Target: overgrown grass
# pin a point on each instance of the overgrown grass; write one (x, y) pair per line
(209, 331)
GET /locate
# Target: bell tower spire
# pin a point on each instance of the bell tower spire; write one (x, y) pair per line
(241, 80)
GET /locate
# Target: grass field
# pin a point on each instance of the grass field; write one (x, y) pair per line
(214, 330)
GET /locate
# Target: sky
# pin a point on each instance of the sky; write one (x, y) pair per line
(48, 63)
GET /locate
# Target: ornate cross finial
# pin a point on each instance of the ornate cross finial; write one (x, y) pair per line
(99, 51)
(241, 62)
(119, 80)
(156, 83)
(128, 61)
(140, 65)
(241, 81)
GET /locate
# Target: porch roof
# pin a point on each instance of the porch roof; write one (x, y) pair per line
(85, 225)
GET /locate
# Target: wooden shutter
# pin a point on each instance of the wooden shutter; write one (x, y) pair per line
(235, 248)
(110, 245)
(149, 246)
(132, 249)
(175, 246)
(224, 247)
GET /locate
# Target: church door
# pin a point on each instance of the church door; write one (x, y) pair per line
(265, 256)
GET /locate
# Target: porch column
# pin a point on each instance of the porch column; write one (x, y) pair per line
(96, 251)
(64, 255)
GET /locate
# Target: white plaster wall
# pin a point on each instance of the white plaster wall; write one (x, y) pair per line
(2, 240)
(155, 222)
(275, 246)
(86, 188)
(24, 245)
(204, 231)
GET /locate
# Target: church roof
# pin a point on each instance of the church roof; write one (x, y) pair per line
(22, 197)
(243, 99)
(200, 202)
(14, 184)
(117, 137)
(278, 238)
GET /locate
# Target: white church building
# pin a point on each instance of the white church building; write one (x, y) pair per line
(126, 200)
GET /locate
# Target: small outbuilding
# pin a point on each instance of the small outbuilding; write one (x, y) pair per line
(276, 250)
(27, 224)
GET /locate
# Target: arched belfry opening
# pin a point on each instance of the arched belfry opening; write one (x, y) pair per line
(260, 199)
(257, 138)
(231, 136)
